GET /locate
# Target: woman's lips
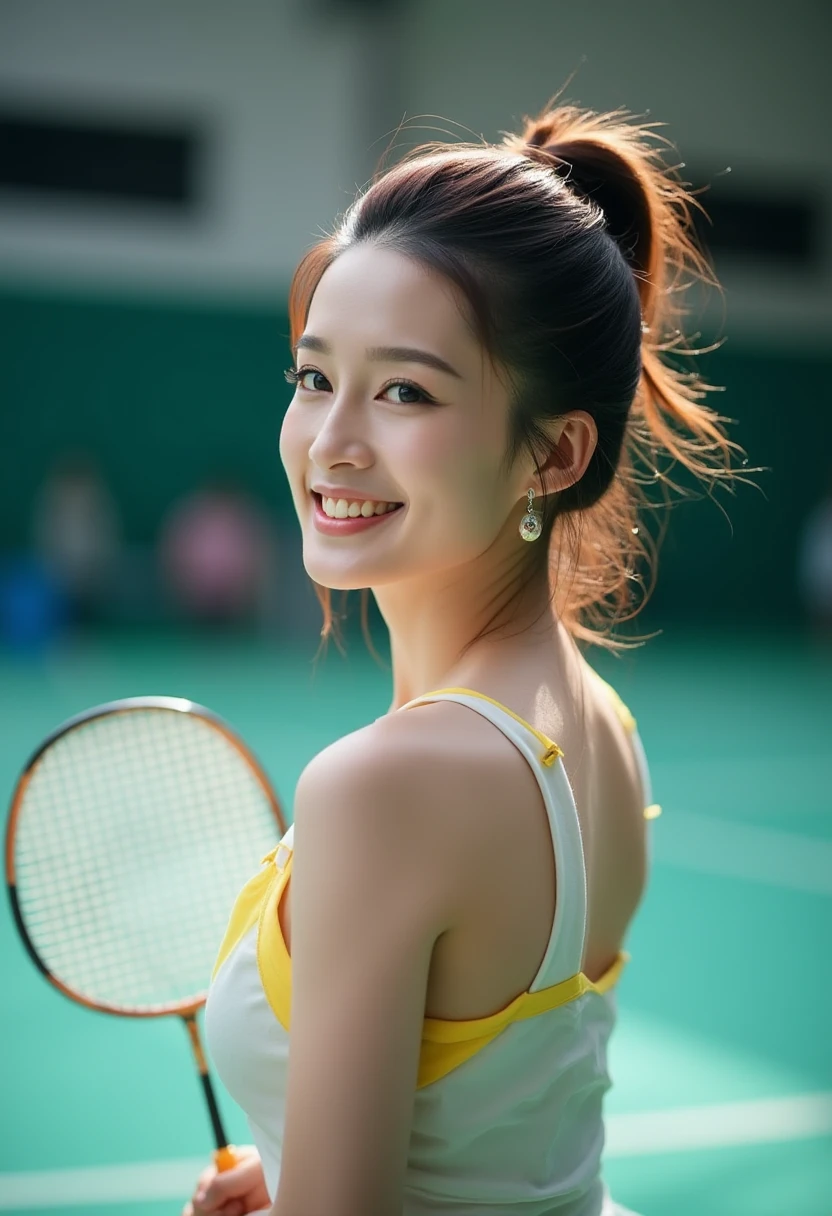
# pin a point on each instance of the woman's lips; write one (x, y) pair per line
(344, 527)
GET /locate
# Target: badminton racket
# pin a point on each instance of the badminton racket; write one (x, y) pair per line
(131, 830)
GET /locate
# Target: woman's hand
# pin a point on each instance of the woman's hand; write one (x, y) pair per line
(234, 1192)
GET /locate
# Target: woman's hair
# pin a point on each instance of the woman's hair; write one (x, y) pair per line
(572, 243)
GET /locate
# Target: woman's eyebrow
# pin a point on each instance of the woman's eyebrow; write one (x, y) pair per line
(385, 354)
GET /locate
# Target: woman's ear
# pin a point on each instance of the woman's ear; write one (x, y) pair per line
(574, 438)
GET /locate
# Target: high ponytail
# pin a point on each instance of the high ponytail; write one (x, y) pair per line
(611, 163)
(573, 244)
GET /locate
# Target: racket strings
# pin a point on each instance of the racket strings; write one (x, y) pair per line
(135, 834)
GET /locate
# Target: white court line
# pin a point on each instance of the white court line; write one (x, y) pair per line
(698, 1127)
(684, 1129)
(741, 850)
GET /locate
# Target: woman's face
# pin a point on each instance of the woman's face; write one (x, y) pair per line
(396, 402)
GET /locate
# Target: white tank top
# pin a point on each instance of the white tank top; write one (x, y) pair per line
(508, 1109)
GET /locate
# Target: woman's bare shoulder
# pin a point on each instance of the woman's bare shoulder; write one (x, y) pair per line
(461, 770)
(432, 733)
(427, 790)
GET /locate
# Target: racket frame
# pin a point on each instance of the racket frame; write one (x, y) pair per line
(123, 705)
(224, 1155)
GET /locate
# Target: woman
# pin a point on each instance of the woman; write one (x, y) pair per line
(479, 398)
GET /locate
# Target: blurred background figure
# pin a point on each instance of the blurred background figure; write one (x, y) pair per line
(217, 555)
(815, 565)
(76, 535)
(33, 606)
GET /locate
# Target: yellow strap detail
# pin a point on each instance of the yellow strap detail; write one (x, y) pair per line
(526, 1005)
(244, 914)
(247, 906)
(447, 1044)
(551, 752)
(273, 960)
(652, 811)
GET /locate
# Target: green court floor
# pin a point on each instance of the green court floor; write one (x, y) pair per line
(722, 1061)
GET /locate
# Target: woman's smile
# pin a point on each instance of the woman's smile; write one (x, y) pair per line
(345, 525)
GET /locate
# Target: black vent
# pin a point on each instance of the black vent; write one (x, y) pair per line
(96, 160)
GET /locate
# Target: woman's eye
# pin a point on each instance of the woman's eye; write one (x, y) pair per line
(307, 379)
(316, 382)
(411, 393)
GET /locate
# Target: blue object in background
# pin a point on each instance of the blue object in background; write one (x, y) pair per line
(33, 605)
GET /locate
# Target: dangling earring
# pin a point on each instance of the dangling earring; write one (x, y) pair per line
(531, 525)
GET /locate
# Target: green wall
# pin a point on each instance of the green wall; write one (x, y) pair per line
(170, 393)
(165, 394)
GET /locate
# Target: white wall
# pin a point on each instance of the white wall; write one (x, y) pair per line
(740, 84)
(275, 95)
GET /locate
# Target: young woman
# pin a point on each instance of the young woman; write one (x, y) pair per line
(482, 392)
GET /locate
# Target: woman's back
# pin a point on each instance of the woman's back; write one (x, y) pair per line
(503, 928)
(551, 860)
(502, 829)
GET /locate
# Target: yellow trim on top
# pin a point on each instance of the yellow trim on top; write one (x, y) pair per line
(274, 962)
(446, 1043)
(247, 907)
(551, 752)
(244, 913)
(526, 1005)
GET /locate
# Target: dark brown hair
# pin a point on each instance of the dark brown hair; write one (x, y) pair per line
(572, 243)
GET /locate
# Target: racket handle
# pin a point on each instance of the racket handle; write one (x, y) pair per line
(226, 1158)
(225, 1155)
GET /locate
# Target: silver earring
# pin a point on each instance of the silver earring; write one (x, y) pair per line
(531, 525)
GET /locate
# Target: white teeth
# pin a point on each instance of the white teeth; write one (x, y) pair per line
(342, 509)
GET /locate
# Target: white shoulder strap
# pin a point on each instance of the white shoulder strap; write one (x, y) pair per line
(564, 952)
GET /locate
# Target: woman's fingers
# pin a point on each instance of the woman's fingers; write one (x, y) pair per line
(235, 1192)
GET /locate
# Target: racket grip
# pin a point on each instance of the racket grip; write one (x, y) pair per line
(226, 1158)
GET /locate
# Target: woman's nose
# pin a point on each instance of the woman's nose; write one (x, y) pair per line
(341, 438)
